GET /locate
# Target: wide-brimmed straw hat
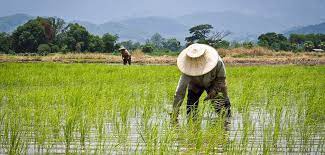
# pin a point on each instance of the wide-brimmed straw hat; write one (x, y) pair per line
(197, 59)
(122, 48)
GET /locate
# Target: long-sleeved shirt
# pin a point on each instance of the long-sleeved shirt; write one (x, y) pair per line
(198, 82)
(125, 54)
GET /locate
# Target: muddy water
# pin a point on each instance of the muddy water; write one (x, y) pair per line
(254, 132)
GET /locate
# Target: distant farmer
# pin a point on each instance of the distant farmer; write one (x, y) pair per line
(202, 70)
(126, 56)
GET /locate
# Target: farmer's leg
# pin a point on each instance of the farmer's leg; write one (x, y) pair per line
(193, 97)
(129, 60)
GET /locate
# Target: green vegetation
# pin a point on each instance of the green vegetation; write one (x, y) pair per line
(50, 35)
(5, 42)
(295, 42)
(148, 48)
(159, 43)
(204, 34)
(99, 108)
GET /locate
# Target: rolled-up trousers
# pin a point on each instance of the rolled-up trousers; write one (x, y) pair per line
(219, 101)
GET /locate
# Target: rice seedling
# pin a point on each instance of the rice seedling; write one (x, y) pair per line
(107, 109)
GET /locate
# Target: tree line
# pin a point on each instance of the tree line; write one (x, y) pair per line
(50, 35)
(278, 42)
(295, 42)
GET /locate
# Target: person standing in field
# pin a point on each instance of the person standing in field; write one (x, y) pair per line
(126, 56)
(202, 70)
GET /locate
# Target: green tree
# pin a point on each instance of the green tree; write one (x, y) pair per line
(55, 48)
(43, 49)
(305, 40)
(273, 40)
(148, 48)
(5, 42)
(172, 44)
(270, 38)
(276, 46)
(248, 44)
(286, 46)
(157, 40)
(309, 46)
(198, 33)
(77, 34)
(48, 29)
(315, 38)
(322, 45)
(203, 34)
(80, 46)
(59, 27)
(221, 44)
(109, 42)
(27, 37)
(297, 38)
(96, 44)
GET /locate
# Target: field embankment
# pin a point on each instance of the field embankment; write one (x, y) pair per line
(237, 56)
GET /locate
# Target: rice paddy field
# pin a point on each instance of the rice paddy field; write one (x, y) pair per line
(113, 109)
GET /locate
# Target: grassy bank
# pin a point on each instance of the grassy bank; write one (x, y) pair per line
(237, 56)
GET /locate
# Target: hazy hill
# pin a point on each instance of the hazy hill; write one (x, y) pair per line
(318, 28)
(139, 29)
(235, 22)
(242, 26)
(165, 26)
(9, 23)
(147, 26)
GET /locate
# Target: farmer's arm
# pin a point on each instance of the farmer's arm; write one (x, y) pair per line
(221, 71)
(179, 95)
(219, 83)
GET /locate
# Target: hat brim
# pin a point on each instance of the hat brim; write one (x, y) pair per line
(198, 66)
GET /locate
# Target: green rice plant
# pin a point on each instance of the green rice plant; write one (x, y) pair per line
(276, 129)
(152, 140)
(114, 109)
(69, 127)
(13, 142)
(83, 129)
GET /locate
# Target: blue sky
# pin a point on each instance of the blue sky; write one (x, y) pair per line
(100, 11)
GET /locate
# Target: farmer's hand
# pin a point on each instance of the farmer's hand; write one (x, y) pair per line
(210, 95)
(173, 119)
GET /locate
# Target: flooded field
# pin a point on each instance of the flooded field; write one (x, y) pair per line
(112, 109)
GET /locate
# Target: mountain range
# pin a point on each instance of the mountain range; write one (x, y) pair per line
(317, 28)
(10, 23)
(241, 26)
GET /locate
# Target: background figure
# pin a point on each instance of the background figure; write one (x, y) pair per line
(126, 56)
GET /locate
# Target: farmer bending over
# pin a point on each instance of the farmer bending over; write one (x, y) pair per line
(202, 70)
(126, 56)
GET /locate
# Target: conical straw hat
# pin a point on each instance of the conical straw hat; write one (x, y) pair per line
(197, 59)
(122, 48)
